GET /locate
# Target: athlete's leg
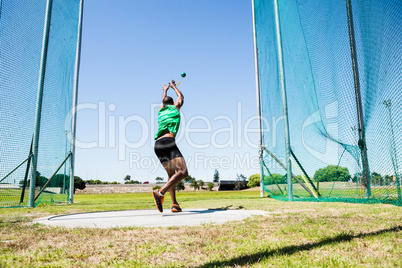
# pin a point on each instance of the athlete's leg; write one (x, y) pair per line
(171, 171)
(172, 192)
(180, 168)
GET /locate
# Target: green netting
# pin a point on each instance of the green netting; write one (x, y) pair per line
(22, 26)
(322, 111)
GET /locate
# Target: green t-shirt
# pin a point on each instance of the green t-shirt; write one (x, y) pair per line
(168, 118)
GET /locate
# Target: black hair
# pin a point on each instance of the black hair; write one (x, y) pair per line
(167, 101)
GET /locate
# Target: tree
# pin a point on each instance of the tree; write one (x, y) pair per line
(387, 179)
(180, 186)
(332, 173)
(131, 182)
(275, 178)
(211, 185)
(188, 179)
(299, 177)
(159, 179)
(357, 177)
(254, 181)
(216, 176)
(241, 177)
(201, 183)
(60, 180)
(194, 184)
(78, 183)
(39, 181)
(376, 178)
(127, 178)
(241, 182)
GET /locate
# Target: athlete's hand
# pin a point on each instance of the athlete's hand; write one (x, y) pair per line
(172, 84)
(165, 88)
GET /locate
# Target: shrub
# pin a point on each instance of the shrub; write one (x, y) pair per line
(78, 183)
(254, 181)
(332, 173)
(195, 185)
(189, 179)
(275, 178)
(211, 185)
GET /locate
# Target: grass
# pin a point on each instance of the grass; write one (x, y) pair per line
(342, 190)
(295, 234)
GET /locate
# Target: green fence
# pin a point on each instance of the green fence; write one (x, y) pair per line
(37, 80)
(335, 54)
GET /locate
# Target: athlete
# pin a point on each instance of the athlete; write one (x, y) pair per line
(165, 146)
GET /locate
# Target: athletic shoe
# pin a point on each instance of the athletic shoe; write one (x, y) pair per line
(176, 208)
(158, 198)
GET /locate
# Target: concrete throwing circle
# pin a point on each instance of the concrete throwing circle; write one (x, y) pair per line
(147, 218)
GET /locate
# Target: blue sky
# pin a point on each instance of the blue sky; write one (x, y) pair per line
(129, 49)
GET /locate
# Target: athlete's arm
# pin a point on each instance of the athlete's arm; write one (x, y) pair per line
(165, 89)
(180, 98)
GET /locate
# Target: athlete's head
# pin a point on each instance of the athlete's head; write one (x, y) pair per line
(167, 101)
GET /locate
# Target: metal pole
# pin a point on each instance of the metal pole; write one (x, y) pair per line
(257, 80)
(42, 72)
(11, 172)
(360, 118)
(270, 174)
(47, 182)
(393, 148)
(284, 99)
(63, 189)
(304, 172)
(284, 167)
(26, 174)
(75, 99)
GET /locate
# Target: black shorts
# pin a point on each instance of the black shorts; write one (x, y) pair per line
(166, 150)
